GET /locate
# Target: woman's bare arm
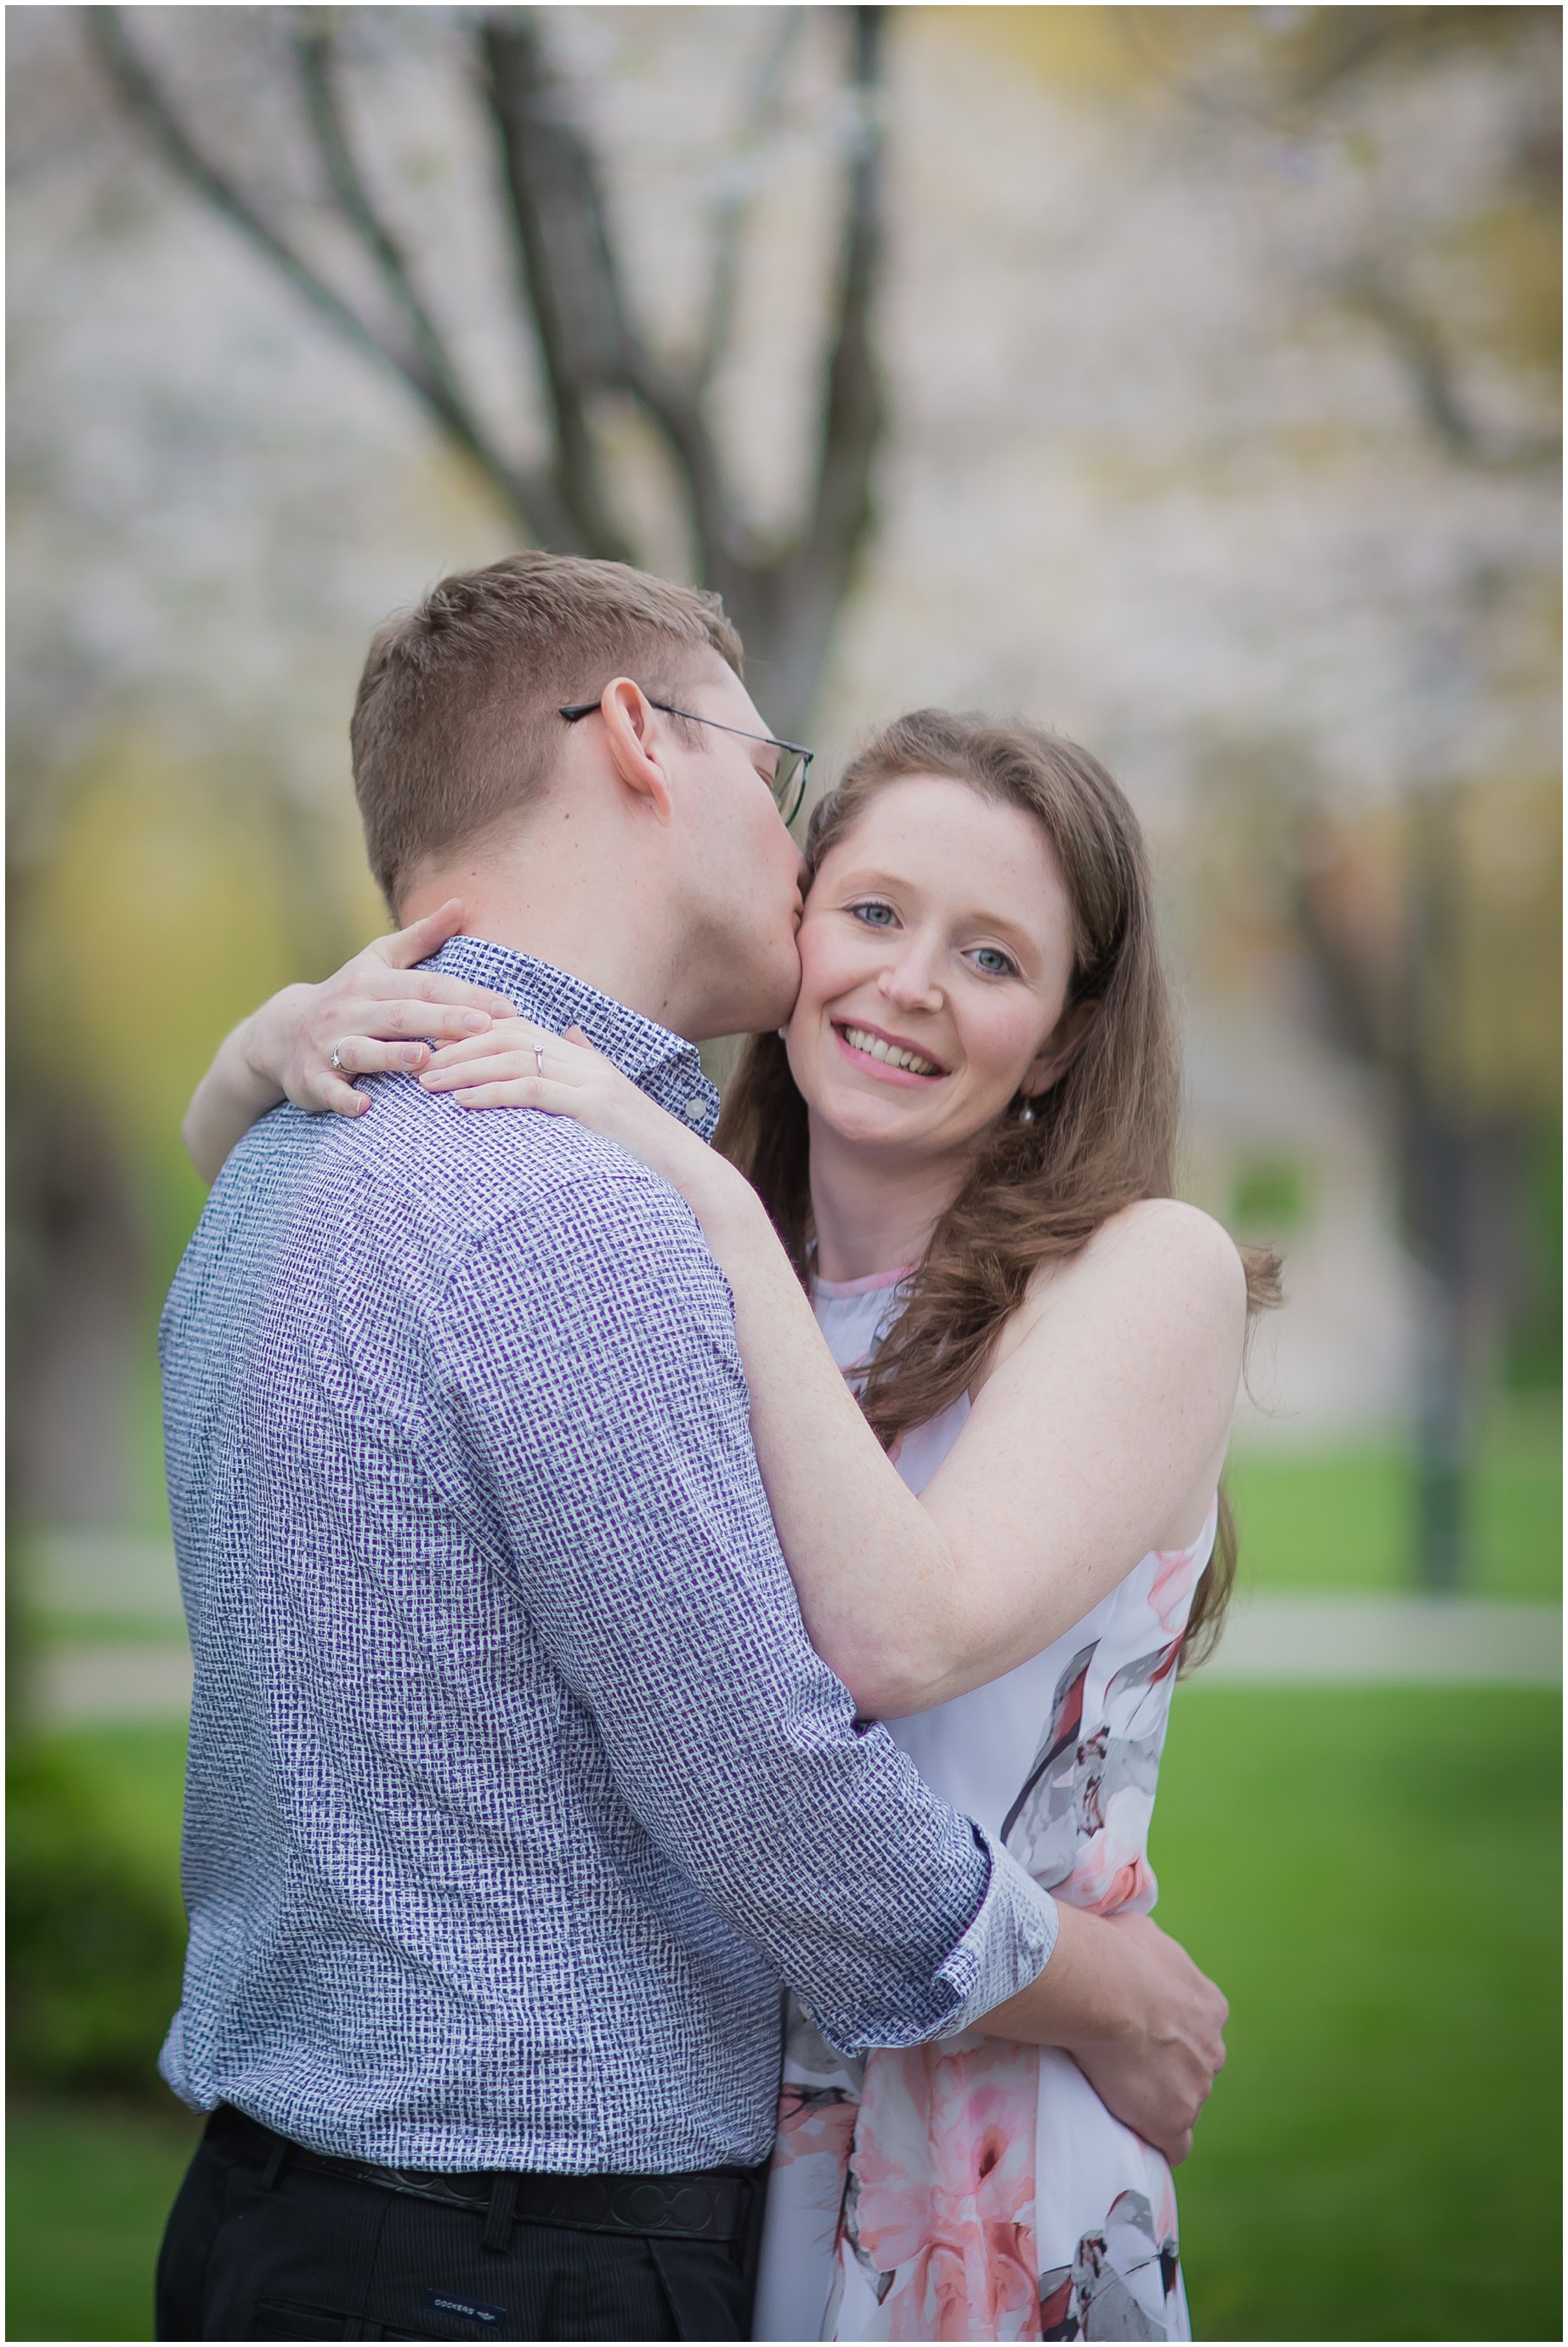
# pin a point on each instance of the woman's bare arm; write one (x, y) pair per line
(1089, 1445)
(285, 1050)
(1099, 1435)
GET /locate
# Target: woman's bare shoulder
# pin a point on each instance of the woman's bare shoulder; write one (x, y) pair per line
(1180, 1242)
(1158, 1266)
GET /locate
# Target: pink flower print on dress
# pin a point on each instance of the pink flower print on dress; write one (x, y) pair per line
(1080, 1823)
(940, 2203)
(812, 2121)
(1176, 1577)
(1112, 1870)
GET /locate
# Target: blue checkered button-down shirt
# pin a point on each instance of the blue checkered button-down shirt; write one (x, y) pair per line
(515, 1786)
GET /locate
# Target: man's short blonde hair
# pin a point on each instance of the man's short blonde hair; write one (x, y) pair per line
(456, 722)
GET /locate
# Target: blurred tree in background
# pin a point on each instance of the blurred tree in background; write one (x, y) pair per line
(592, 347)
(1196, 368)
(1435, 934)
(1438, 937)
(722, 292)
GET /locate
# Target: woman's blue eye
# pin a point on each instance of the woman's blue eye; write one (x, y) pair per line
(993, 961)
(876, 916)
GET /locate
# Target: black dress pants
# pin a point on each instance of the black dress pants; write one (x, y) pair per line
(265, 2244)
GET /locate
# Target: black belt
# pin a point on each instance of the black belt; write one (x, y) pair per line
(715, 2204)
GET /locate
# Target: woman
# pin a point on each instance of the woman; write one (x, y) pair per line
(962, 1144)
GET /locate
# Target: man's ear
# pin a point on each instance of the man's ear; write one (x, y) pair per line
(638, 745)
(1061, 1048)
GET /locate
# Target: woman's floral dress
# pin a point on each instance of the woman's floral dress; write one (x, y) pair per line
(974, 2188)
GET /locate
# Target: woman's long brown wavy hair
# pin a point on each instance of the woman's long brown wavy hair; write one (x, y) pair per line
(1102, 1137)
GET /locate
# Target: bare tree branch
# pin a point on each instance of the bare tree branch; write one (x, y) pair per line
(174, 142)
(734, 209)
(812, 580)
(674, 404)
(586, 338)
(784, 598)
(569, 269)
(316, 58)
(855, 412)
(1431, 372)
(785, 603)
(149, 105)
(1341, 46)
(1312, 60)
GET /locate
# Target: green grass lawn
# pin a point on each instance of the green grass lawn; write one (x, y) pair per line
(1373, 1877)
(88, 2189)
(1344, 1520)
(88, 2184)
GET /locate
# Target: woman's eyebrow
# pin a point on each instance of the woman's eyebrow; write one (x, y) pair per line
(1005, 926)
(879, 876)
(856, 884)
(1027, 948)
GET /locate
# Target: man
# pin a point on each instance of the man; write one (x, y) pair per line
(515, 1786)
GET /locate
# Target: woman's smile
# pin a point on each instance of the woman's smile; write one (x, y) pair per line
(891, 1059)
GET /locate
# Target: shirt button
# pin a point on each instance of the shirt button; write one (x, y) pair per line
(694, 1108)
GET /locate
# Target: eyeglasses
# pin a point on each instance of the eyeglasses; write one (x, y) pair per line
(788, 784)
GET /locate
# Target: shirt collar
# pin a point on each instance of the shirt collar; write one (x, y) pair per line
(663, 1065)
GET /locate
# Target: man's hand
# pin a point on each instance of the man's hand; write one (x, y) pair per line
(1140, 2021)
(1157, 2069)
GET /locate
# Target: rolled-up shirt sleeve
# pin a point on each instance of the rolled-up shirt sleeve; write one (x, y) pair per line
(589, 1348)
